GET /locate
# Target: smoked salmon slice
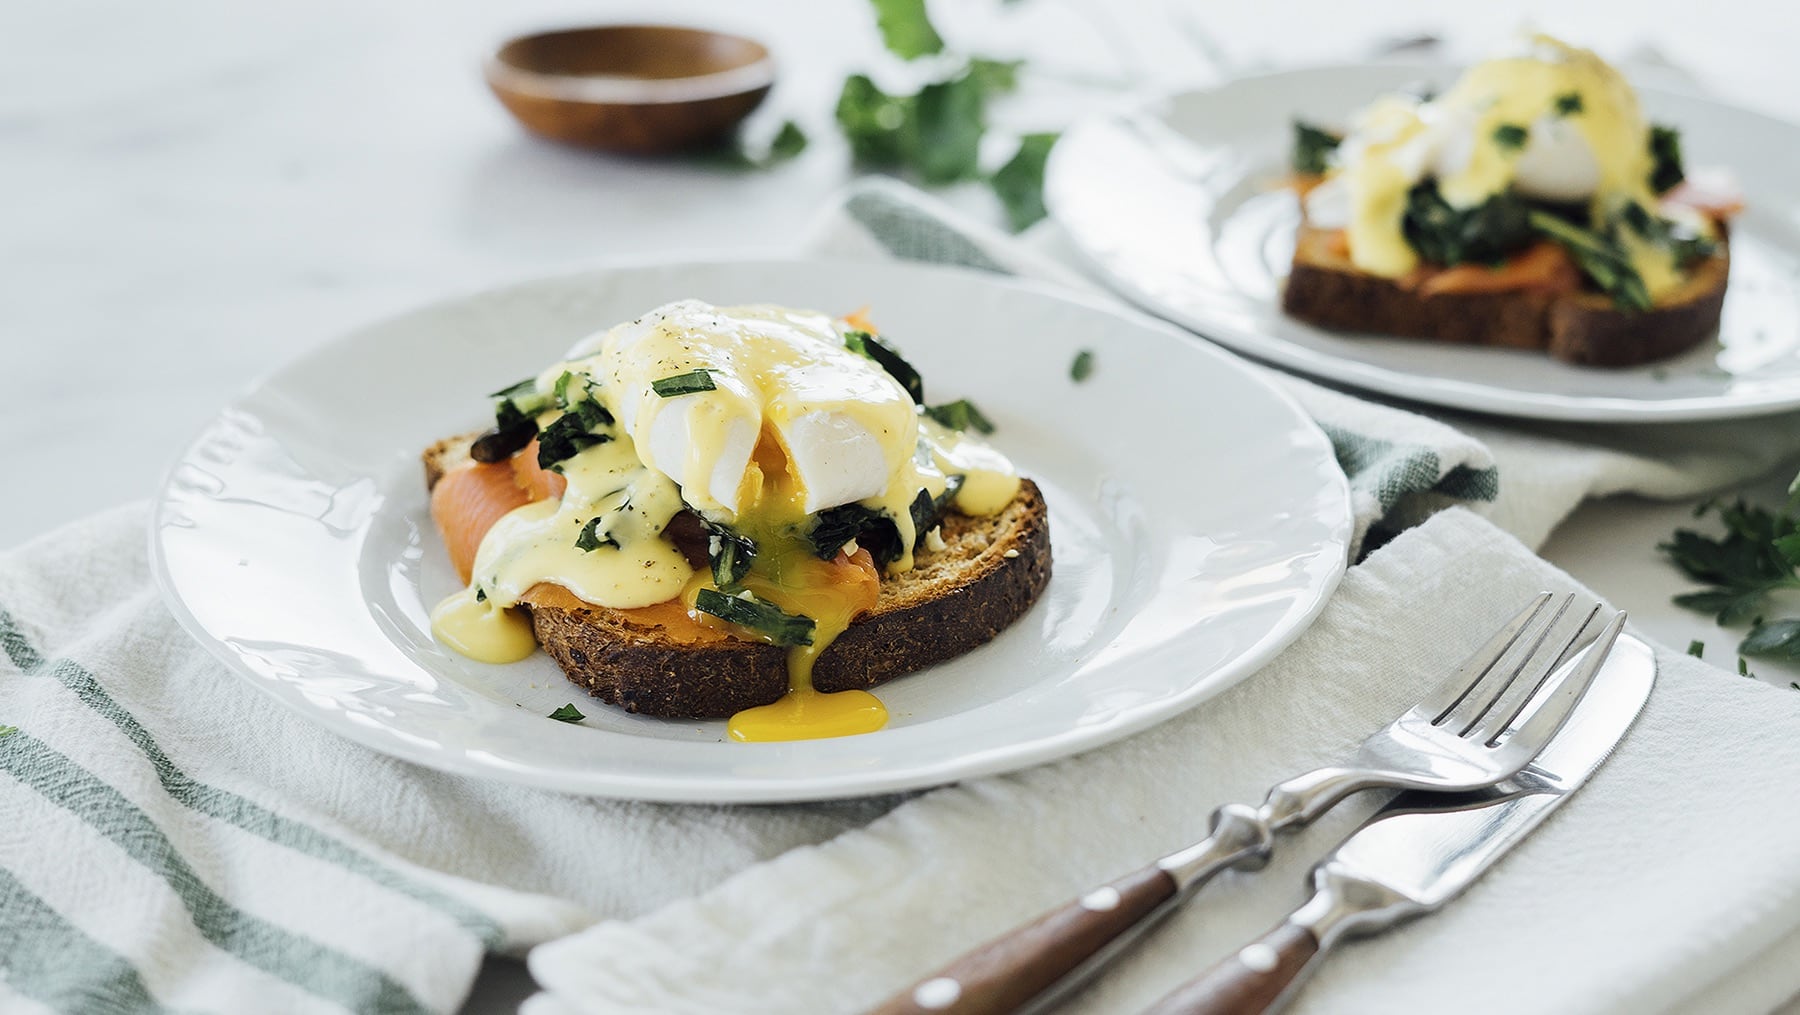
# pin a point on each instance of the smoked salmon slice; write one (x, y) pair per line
(469, 499)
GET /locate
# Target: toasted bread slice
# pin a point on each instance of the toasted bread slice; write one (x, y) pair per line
(988, 574)
(1324, 288)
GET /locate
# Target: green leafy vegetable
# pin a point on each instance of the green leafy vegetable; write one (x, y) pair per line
(789, 141)
(7, 731)
(1682, 242)
(567, 713)
(951, 117)
(1756, 556)
(996, 77)
(1486, 233)
(906, 28)
(684, 384)
(764, 619)
(872, 530)
(926, 510)
(960, 415)
(1568, 104)
(573, 432)
(524, 387)
(865, 344)
(1697, 649)
(1600, 257)
(590, 538)
(1020, 183)
(1083, 367)
(730, 555)
(1665, 151)
(877, 125)
(1313, 147)
(1511, 136)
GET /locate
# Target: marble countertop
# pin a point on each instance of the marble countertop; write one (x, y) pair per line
(199, 191)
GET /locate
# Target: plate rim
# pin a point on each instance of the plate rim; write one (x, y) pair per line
(974, 763)
(1437, 392)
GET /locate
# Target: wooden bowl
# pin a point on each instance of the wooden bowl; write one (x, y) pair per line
(642, 89)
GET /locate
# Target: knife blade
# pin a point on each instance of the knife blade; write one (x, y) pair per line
(1422, 850)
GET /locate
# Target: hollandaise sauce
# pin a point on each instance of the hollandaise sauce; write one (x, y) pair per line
(766, 424)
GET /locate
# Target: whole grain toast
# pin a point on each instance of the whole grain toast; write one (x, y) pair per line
(988, 573)
(1325, 289)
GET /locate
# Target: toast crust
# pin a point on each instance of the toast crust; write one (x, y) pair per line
(988, 574)
(1325, 289)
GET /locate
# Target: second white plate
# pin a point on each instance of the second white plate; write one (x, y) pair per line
(1176, 206)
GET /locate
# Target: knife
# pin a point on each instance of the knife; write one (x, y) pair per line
(1421, 851)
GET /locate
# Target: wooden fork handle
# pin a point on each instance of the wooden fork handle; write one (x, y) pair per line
(1258, 978)
(1004, 974)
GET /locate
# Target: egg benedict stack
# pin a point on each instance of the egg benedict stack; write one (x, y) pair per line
(1529, 205)
(693, 507)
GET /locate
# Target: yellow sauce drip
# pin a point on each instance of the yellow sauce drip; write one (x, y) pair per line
(484, 631)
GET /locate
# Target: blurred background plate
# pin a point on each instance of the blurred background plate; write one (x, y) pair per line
(1198, 519)
(1179, 206)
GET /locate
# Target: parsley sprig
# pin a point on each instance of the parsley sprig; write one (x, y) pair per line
(1757, 556)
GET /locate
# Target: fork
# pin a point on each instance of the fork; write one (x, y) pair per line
(1480, 726)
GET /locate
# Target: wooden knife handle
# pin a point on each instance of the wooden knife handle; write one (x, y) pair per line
(1010, 970)
(1253, 980)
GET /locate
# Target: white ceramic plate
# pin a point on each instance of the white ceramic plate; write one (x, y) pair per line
(1198, 521)
(1175, 206)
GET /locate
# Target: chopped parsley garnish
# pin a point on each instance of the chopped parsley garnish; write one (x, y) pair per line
(1313, 147)
(1568, 104)
(590, 538)
(573, 432)
(1601, 257)
(960, 415)
(872, 530)
(1511, 136)
(1758, 555)
(1697, 649)
(1083, 367)
(567, 713)
(684, 384)
(764, 619)
(730, 555)
(865, 344)
(1447, 235)
(1665, 150)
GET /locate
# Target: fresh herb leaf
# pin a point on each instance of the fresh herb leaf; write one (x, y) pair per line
(572, 433)
(906, 28)
(764, 619)
(1511, 136)
(789, 141)
(864, 343)
(951, 117)
(1744, 566)
(567, 713)
(960, 415)
(7, 731)
(1083, 367)
(1486, 233)
(880, 127)
(1568, 104)
(1600, 256)
(1665, 153)
(561, 390)
(590, 538)
(1020, 183)
(872, 530)
(730, 555)
(1313, 147)
(1684, 244)
(1697, 649)
(684, 384)
(996, 77)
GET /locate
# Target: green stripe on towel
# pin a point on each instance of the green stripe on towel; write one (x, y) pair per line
(913, 236)
(49, 959)
(229, 807)
(301, 961)
(1388, 471)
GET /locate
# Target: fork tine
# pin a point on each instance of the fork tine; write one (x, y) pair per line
(1481, 697)
(1549, 716)
(1455, 687)
(1542, 666)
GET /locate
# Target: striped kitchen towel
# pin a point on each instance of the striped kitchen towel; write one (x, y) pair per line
(1403, 465)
